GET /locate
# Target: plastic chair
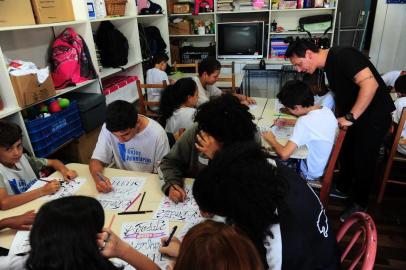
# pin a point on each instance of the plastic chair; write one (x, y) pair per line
(144, 104)
(190, 65)
(365, 227)
(230, 78)
(394, 156)
(325, 183)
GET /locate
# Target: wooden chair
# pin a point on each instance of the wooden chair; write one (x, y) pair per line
(230, 78)
(394, 156)
(365, 226)
(144, 104)
(325, 184)
(194, 65)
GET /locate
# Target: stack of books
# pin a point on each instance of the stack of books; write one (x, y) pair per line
(245, 4)
(225, 5)
(278, 48)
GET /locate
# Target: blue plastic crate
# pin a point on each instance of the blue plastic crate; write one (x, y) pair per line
(47, 134)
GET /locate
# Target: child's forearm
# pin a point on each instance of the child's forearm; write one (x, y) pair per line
(57, 165)
(137, 259)
(12, 201)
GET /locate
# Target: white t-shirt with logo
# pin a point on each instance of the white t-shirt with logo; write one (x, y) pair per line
(142, 153)
(206, 93)
(390, 77)
(155, 76)
(316, 130)
(400, 103)
(326, 101)
(181, 118)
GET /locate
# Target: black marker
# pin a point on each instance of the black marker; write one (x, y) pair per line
(166, 243)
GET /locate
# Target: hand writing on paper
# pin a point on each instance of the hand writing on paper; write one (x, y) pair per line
(69, 175)
(20, 222)
(282, 122)
(51, 187)
(105, 185)
(250, 100)
(172, 249)
(176, 193)
(110, 244)
(207, 144)
(268, 136)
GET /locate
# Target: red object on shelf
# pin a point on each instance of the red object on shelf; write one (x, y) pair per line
(114, 83)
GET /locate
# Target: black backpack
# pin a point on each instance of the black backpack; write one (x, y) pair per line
(156, 44)
(113, 45)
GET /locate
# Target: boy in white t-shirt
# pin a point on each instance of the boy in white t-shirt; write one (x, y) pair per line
(322, 95)
(157, 75)
(133, 141)
(390, 77)
(400, 103)
(209, 71)
(316, 128)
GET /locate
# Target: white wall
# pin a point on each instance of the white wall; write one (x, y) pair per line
(388, 45)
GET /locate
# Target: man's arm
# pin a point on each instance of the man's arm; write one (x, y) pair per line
(284, 152)
(367, 89)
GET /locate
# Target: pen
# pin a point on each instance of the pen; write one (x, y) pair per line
(166, 243)
(131, 203)
(100, 177)
(142, 199)
(48, 181)
(135, 212)
(279, 115)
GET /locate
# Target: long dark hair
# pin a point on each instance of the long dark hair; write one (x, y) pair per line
(215, 245)
(174, 96)
(64, 236)
(242, 186)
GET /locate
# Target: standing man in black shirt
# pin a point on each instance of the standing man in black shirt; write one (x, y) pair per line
(363, 104)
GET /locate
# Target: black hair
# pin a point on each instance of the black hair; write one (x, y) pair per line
(221, 189)
(174, 96)
(226, 119)
(120, 115)
(299, 47)
(400, 84)
(316, 82)
(10, 133)
(160, 57)
(64, 236)
(294, 93)
(209, 65)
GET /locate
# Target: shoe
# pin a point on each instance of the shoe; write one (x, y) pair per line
(334, 192)
(351, 210)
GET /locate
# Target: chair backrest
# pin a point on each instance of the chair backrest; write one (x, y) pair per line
(144, 104)
(194, 65)
(329, 171)
(229, 78)
(398, 134)
(365, 226)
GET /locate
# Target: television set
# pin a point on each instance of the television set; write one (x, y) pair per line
(240, 39)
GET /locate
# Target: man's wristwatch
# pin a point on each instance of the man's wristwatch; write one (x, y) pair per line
(349, 117)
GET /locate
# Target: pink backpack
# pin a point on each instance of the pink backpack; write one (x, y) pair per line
(70, 60)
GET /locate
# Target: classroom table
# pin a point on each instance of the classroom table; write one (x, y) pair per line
(151, 201)
(238, 79)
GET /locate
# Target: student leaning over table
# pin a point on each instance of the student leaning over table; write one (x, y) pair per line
(18, 172)
(133, 141)
(221, 121)
(278, 211)
(65, 236)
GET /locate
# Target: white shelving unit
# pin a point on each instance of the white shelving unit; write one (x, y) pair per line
(31, 43)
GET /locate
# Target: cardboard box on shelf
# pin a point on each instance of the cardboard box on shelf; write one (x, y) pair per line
(181, 28)
(181, 8)
(28, 91)
(14, 12)
(52, 11)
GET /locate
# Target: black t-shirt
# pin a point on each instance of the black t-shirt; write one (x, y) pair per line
(342, 64)
(308, 241)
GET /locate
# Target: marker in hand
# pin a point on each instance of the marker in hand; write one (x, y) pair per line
(166, 243)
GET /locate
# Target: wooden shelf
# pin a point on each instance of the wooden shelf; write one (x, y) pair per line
(248, 10)
(110, 71)
(118, 18)
(34, 26)
(206, 35)
(9, 111)
(190, 14)
(301, 9)
(151, 16)
(299, 33)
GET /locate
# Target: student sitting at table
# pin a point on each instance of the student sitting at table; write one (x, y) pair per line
(64, 236)
(18, 172)
(322, 96)
(209, 71)
(400, 104)
(207, 245)
(133, 141)
(390, 78)
(221, 121)
(316, 128)
(281, 215)
(178, 105)
(157, 75)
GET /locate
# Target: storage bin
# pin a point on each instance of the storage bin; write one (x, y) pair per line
(181, 8)
(52, 11)
(120, 88)
(92, 108)
(180, 28)
(47, 134)
(14, 12)
(115, 7)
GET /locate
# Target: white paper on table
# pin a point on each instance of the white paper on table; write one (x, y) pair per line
(68, 188)
(145, 237)
(125, 190)
(252, 106)
(21, 243)
(282, 132)
(188, 210)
